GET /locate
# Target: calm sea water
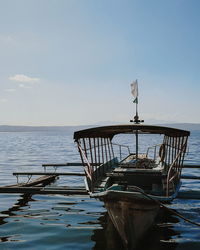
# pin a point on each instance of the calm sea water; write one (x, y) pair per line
(78, 222)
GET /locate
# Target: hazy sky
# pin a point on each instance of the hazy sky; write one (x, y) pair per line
(71, 62)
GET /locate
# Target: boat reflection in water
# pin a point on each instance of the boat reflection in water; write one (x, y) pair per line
(160, 235)
(104, 237)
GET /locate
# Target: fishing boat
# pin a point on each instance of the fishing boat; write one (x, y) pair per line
(133, 186)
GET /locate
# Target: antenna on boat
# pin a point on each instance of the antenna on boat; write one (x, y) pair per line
(134, 91)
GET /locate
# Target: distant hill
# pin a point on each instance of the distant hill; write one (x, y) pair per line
(8, 128)
(185, 126)
(71, 129)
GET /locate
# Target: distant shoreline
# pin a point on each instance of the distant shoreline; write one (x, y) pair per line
(10, 128)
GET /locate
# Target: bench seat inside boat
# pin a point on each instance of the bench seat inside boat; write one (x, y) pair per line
(138, 170)
(143, 178)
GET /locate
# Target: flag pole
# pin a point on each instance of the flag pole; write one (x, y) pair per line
(136, 119)
(134, 91)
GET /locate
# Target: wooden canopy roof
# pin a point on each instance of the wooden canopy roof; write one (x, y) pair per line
(110, 131)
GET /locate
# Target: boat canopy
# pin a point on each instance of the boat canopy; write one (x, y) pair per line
(110, 131)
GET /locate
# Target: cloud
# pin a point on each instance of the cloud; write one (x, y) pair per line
(24, 86)
(3, 100)
(7, 40)
(23, 78)
(10, 90)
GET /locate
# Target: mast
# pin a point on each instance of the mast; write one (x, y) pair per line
(134, 91)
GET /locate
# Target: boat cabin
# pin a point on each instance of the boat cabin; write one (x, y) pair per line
(157, 170)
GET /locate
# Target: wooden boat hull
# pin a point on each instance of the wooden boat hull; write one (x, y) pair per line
(131, 213)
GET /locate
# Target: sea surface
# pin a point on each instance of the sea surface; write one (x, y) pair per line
(78, 222)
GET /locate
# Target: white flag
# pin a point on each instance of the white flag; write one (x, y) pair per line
(134, 88)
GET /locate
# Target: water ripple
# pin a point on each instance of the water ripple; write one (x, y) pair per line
(78, 222)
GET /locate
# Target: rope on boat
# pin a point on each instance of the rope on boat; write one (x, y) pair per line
(167, 208)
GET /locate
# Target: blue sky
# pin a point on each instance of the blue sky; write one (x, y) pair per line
(71, 62)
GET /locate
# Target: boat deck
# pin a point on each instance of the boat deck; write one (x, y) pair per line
(143, 172)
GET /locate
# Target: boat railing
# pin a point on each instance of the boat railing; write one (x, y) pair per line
(174, 171)
(96, 162)
(153, 148)
(120, 150)
(87, 167)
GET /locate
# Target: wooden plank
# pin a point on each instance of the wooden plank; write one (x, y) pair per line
(66, 187)
(50, 173)
(188, 177)
(43, 180)
(190, 194)
(191, 166)
(96, 164)
(62, 164)
(71, 164)
(39, 190)
(138, 170)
